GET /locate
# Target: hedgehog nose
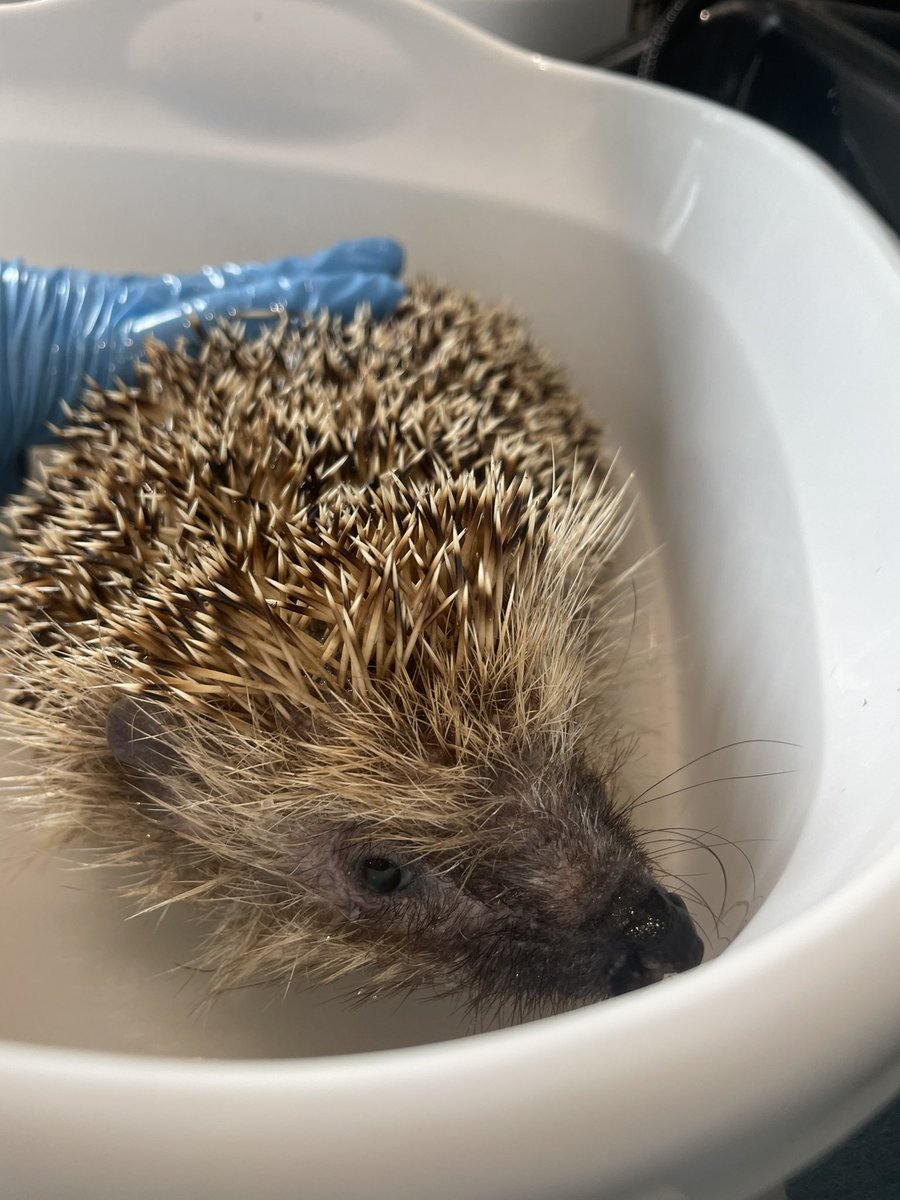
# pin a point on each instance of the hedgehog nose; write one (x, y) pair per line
(657, 938)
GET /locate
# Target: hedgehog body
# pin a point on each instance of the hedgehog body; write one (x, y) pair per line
(312, 627)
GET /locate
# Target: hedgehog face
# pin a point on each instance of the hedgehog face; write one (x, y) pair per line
(552, 904)
(557, 910)
(575, 913)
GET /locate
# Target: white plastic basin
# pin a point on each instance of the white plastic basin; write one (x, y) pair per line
(730, 310)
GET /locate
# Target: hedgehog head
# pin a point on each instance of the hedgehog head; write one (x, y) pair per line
(424, 798)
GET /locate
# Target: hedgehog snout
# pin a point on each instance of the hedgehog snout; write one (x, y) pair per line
(656, 936)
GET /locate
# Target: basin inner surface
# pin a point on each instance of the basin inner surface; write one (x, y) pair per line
(730, 672)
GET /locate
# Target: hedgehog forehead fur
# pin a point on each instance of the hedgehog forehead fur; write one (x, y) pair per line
(355, 579)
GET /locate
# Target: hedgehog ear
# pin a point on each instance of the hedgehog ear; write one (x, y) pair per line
(136, 735)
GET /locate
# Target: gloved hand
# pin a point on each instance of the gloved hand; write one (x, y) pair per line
(59, 326)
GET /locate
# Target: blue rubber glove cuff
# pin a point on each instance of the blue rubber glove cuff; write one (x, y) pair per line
(59, 326)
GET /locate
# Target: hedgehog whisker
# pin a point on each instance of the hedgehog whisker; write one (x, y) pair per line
(638, 803)
(709, 754)
(730, 842)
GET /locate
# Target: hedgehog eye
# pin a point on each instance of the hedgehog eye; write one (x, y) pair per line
(383, 876)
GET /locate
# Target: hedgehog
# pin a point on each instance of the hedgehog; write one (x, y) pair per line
(312, 626)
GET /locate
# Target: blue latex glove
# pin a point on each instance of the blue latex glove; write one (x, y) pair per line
(58, 327)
